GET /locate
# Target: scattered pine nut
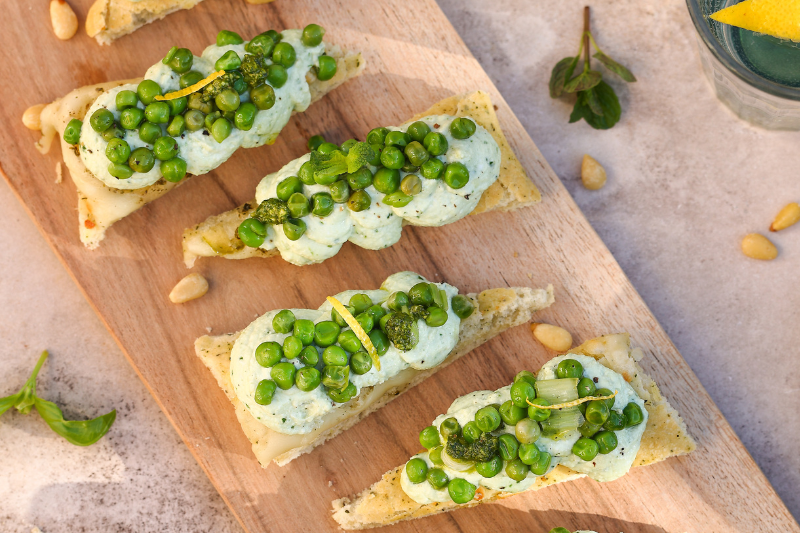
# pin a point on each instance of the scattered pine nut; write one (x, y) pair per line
(189, 288)
(788, 216)
(63, 18)
(757, 246)
(593, 175)
(32, 117)
(552, 337)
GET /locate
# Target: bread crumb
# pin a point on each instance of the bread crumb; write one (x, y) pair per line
(208, 329)
(530, 276)
(330, 483)
(36, 530)
(516, 254)
(59, 173)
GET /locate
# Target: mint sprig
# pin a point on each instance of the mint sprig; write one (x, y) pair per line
(596, 101)
(337, 162)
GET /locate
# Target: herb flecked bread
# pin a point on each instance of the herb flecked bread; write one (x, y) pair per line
(111, 19)
(100, 206)
(217, 235)
(665, 436)
(495, 311)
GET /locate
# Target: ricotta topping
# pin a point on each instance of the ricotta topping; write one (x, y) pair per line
(200, 150)
(294, 411)
(380, 226)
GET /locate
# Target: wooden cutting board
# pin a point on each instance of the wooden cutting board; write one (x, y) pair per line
(414, 59)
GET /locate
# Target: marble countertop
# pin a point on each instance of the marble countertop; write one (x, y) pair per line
(687, 180)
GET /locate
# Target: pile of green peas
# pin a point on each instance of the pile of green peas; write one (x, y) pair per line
(217, 108)
(414, 151)
(328, 350)
(517, 453)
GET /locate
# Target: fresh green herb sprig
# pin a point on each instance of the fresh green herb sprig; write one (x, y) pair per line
(336, 162)
(78, 432)
(596, 103)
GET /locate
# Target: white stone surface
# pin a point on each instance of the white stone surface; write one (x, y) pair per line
(686, 181)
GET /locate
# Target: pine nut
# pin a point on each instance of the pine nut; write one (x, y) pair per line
(593, 175)
(789, 216)
(63, 18)
(552, 337)
(757, 246)
(32, 117)
(192, 286)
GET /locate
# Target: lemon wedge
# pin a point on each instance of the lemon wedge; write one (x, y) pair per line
(778, 18)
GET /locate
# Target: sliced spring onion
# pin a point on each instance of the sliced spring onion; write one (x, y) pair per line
(191, 88)
(455, 464)
(366, 342)
(557, 391)
(573, 403)
(562, 421)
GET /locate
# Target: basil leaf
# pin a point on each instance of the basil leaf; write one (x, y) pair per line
(78, 432)
(583, 82)
(8, 402)
(615, 67)
(561, 73)
(609, 103)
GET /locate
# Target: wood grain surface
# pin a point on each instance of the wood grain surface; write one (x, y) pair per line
(414, 59)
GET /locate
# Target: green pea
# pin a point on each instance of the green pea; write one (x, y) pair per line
(416, 153)
(113, 132)
(449, 426)
(335, 377)
(633, 415)
(393, 158)
(227, 100)
(542, 463)
(277, 75)
(72, 133)
(294, 228)
(397, 300)
(397, 138)
(194, 120)
(386, 180)
(560, 530)
(397, 199)
(326, 68)
(432, 169)
(524, 375)
(165, 148)
(177, 126)
(312, 35)
(274, 35)
(408, 168)
(327, 148)
(263, 96)
(586, 387)
(360, 302)
(334, 356)
(131, 118)
(322, 204)
(314, 142)
(349, 143)
(149, 132)
(173, 170)
(471, 432)
(189, 79)
(361, 363)
(384, 320)
(221, 129)
(587, 429)
(435, 455)
(597, 412)
(488, 419)
(462, 306)
(348, 340)
(436, 317)
(527, 431)
(283, 321)
(284, 54)
(606, 442)
(226, 37)
(180, 61)
(462, 128)
(287, 187)
(360, 179)
(120, 171)
(342, 395)
(606, 392)
(435, 143)
(142, 160)
(307, 379)
(456, 175)
(211, 118)
(359, 201)
(377, 135)
(265, 390)
(585, 449)
(251, 231)
(118, 151)
(336, 317)
(147, 90)
(417, 470)
(230, 60)
(490, 468)
(429, 437)
(437, 478)
(304, 330)
(512, 414)
(528, 453)
(508, 446)
(376, 312)
(283, 375)
(379, 340)
(309, 356)
(537, 414)
(521, 393)
(245, 116)
(418, 131)
(298, 205)
(126, 99)
(569, 368)
(101, 120)
(260, 44)
(326, 332)
(516, 469)
(292, 346)
(365, 321)
(420, 294)
(411, 185)
(339, 191)
(196, 102)
(461, 490)
(269, 354)
(306, 173)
